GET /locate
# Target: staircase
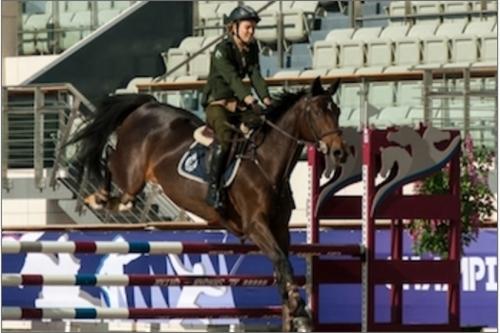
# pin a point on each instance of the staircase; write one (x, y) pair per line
(37, 121)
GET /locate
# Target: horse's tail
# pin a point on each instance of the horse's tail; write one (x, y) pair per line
(94, 134)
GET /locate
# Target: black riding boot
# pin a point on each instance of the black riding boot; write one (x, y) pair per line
(215, 195)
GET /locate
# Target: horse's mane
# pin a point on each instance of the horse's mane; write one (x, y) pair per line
(283, 102)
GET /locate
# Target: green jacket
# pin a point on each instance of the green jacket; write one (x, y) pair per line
(228, 67)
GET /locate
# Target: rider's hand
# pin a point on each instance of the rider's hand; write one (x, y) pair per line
(267, 101)
(249, 100)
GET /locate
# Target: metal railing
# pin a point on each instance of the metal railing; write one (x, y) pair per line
(37, 121)
(435, 85)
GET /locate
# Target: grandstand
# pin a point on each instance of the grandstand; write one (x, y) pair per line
(403, 62)
(387, 37)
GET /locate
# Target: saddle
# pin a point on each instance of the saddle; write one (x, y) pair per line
(205, 134)
(194, 163)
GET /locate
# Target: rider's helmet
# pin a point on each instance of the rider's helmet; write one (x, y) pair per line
(242, 13)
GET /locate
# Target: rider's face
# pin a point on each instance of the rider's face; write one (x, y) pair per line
(246, 30)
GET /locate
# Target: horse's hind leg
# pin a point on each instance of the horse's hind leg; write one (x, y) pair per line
(100, 198)
(128, 175)
(295, 306)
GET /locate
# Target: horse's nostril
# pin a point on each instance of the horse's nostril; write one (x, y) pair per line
(337, 152)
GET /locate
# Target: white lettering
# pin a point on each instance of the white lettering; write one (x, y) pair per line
(491, 283)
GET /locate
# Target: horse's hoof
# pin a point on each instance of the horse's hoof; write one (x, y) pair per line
(123, 207)
(301, 324)
(91, 202)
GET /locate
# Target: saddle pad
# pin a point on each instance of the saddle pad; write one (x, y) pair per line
(193, 165)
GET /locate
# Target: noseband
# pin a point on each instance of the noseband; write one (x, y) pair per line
(317, 143)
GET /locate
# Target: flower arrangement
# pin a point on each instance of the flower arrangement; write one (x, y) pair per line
(477, 201)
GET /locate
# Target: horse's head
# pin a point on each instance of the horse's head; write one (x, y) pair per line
(320, 122)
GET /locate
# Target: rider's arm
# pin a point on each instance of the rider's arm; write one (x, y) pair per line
(230, 73)
(258, 82)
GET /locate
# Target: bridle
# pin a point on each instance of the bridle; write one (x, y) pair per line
(317, 143)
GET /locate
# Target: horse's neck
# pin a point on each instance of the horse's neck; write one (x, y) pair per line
(278, 152)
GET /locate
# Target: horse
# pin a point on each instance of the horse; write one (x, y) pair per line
(151, 138)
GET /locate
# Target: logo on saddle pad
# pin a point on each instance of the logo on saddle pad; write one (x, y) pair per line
(193, 165)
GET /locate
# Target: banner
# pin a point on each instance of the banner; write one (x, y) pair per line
(423, 303)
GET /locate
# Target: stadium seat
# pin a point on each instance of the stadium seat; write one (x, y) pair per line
(269, 65)
(380, 96)
(488, 54)
(415, 115)
(436, 49)
(325, 54)
(406, 55)
(431, 8)
(214, 23)
(335, 21)
(351, 56)
(300, 56)
(478, 28)
(393, 32)
(296, 25)
(409, 93)
(287, 74)
(267, 31)
(106, 15)
(349, 101)
(175, 56)
(36, 42)
(423, 30)
(317, 35)
(465, 50)
(398, 8)
(206, 12)
(76, 6)
(460, 9)
(378, 57)
(132, 85)
(313, 73)
(340, 35)
(200, 65)
(367, 34)
(307, 7)
(122, 4)
(78, 28)
(393, 115)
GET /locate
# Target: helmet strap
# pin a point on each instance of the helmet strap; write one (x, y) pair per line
(238, 34)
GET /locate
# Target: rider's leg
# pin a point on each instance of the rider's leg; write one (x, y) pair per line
(217, 116)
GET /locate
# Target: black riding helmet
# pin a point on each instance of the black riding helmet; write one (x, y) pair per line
(242, 13)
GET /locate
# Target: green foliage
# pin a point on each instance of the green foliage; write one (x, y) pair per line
(477, 201)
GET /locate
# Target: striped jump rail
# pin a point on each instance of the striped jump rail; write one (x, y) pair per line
(12, 280)
(17, 313)
(110, 247)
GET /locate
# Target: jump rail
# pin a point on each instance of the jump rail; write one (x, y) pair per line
(109, 247)
(16, 313)
(13, 280)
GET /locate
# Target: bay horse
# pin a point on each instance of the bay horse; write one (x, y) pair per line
(152, 137)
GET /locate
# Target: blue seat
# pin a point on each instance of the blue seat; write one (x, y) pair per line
(316, 35)
(335, 21)
(300, 56)
(269, 65)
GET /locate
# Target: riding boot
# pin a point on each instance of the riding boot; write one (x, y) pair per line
(215, 195)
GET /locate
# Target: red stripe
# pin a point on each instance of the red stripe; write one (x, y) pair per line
(203, 313)
(85, 247)
(31, 313)
(142, 280)
(32, 279)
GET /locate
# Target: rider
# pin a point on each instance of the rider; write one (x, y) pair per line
(225, 97)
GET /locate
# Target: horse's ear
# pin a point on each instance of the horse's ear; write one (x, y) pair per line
(316, 87)
(333, 88)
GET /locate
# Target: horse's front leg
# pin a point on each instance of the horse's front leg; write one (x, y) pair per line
(294, 306)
